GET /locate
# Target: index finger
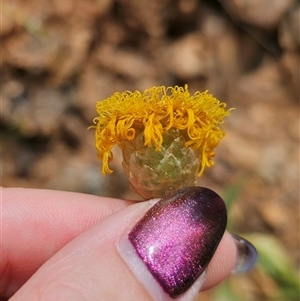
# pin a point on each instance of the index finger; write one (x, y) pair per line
(37, 223)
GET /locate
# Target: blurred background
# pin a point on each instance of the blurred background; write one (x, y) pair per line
(60, 57)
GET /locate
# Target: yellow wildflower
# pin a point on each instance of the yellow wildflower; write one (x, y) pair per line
(153, 114)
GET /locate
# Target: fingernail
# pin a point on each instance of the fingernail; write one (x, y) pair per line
(175, 241)
(246, 255)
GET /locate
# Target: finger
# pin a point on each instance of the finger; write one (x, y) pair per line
(37, 223)
(94, 266)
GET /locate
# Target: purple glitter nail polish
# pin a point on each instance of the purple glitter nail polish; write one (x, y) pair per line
(246, 255)
(178, 236)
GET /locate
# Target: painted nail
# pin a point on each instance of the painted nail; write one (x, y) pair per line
(246, 255)
(177, 238)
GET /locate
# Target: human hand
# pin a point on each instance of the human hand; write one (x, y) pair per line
(64, 246)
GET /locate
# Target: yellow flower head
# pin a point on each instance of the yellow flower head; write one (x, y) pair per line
(153, 113)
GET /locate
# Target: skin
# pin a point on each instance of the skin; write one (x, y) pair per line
(63, 246)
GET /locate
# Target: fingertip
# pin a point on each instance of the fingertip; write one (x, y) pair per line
(169, 249)
(222, 263)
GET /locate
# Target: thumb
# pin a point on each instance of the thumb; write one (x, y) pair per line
(158, 257)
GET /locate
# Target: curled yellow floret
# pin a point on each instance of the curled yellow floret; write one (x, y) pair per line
(155, 111)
